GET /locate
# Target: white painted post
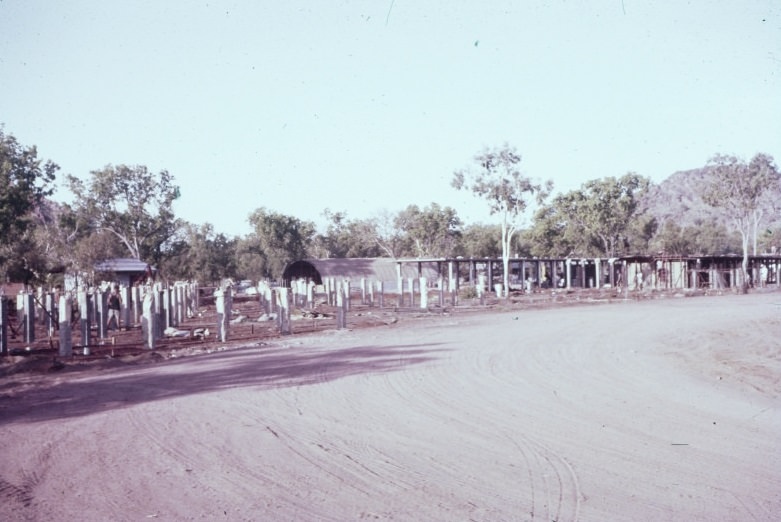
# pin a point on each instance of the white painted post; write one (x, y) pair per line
(347, 301)
(423, 293)
(381, 292)
(29, 318)
(84, 319)
(50, 308)
(101, 311)
(126, 307)
(568, 272)
(481, 288)
(66, 341)
(598, 265)
(341, 310)
(284, 310)
(411, 282)
(222, 315)
(310, 294)
(148, 319)
(136, 305)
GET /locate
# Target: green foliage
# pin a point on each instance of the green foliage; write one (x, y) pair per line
(277, 240)
(745, 193)
(24, 183)
(498, 180)
(595, 220)
(480, 240)
(198, 253)
(347, 238)
(431, 232)
(131, 203)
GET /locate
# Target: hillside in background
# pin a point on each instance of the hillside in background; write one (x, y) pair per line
(678, 199)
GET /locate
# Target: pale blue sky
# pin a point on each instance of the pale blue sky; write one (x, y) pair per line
(360, 106)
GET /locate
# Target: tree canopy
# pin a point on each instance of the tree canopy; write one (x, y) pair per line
(131, 203)
(496, 178)
(25, 180)
(745, 193)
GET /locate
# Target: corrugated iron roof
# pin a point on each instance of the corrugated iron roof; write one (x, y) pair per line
(121, 264)
(377, 269)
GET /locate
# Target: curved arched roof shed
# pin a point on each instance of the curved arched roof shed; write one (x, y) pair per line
(377, 269)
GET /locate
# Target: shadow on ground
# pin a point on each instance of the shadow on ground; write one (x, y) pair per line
(266, 367)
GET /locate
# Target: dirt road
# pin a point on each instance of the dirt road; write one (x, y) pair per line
(657, 410)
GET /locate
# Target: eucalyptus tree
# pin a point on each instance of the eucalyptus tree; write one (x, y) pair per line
(25, 182)
(131, 203)
(745, 193)
(496, 177)
(276, 240)
(433, 231)
(599, 218)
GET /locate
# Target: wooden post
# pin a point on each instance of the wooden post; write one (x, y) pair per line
(598, 277)
(66, 341)
(3, 325)
(29, 318)
(399, 284)
(137, 304)
(341, 310)
(310, 294)
(160, 322)
(148, 319)
(126, 307)
(85, 316)
(284, 310)
(441, 288)
(101, 311)
(222, 305)
(50, 307)
(167, 308)
(347, 301)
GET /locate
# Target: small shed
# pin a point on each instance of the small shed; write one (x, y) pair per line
(126, 271)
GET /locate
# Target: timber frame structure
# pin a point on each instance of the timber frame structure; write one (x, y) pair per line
(652, 272)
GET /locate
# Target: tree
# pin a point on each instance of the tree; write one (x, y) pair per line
(599, 218)
(431, 232)
(498, 180)
(200, 254)
(743, 192)
(277, 240)
(347, 238)
(131, 203)
(24, 183)
(480, 240)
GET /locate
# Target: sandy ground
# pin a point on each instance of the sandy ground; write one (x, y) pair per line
(656, 410)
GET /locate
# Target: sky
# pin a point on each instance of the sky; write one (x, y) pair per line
(370, 106)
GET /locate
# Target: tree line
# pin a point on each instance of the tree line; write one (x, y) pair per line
(127, 211)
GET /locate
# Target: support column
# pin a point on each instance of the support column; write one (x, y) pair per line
(148, 319)
(66, 340)
(3, 325)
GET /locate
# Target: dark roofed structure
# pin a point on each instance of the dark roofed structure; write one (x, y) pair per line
(127, 270)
